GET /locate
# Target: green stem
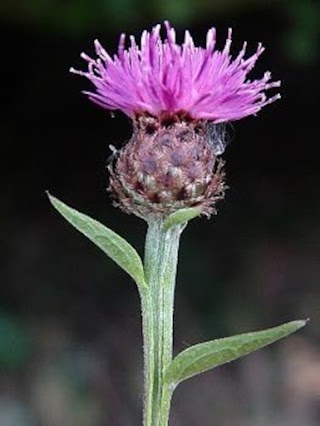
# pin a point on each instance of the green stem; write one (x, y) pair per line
(148, 355)
(161, 257)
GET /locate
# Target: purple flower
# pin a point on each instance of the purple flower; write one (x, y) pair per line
(163, 78)
(179, 98)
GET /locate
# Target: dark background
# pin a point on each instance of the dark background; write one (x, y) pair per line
(70, 340)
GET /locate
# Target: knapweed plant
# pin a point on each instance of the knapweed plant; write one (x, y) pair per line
(179, 98)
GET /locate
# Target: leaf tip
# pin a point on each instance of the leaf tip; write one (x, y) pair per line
(301, 323)
(55, 202)
(297, 324)
(181, 216)
(51, 197)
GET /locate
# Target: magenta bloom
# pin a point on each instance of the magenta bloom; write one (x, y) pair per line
(164, 77)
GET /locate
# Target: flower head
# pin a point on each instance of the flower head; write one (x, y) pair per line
(160, 77)
(179, 98)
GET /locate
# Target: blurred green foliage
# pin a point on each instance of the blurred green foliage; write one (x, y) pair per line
(15, 342)
(302, 42)
(76, 17)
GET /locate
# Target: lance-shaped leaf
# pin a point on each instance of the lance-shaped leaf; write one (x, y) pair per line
(181, 216)
(208, 355)
(116, 247)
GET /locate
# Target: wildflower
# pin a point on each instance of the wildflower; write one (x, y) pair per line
(177, 97)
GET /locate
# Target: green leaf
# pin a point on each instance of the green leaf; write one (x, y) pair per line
(208, 355)
(116, 247)
(181, 216)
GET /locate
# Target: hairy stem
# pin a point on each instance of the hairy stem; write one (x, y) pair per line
(161, 257)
